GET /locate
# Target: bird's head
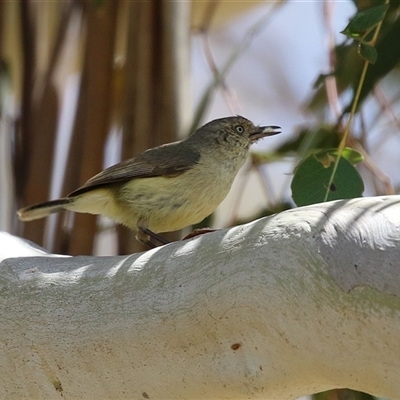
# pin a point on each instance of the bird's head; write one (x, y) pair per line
(234, 131)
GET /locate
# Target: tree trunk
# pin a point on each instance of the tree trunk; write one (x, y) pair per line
(92, 122)
(297, 303)
(157, 99)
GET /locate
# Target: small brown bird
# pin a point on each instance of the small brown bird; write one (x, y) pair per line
(168, 187)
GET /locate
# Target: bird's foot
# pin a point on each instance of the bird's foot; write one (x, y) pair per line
(145, 235)
(198, 232)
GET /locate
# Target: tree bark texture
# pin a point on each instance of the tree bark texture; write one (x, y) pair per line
(297, 303)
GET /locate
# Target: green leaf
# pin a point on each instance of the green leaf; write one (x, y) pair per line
(321, 80)
(364, 21)
(312, 177)
(368, 52)
(348, 66)
(388, 60)
(351, 155)
(364, 4)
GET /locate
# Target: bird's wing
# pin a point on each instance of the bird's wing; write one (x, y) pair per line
(166, 160)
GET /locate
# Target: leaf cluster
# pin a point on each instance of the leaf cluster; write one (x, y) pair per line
(362, 60)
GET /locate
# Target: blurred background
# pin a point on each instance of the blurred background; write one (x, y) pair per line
(84, 84)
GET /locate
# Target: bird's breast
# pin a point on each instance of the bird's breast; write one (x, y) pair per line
(172, 203)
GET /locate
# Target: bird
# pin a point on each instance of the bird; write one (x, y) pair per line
(168, 187)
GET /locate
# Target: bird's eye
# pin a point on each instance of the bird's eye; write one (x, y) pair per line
(239, 128)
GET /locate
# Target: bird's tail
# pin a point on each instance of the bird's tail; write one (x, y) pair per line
(42, 210)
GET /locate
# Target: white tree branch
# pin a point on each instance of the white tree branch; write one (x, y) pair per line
(300, 302)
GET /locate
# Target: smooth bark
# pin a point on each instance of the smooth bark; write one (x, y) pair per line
(293, 304)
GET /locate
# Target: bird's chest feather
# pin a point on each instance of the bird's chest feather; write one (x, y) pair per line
(198, 193)
(171, 203)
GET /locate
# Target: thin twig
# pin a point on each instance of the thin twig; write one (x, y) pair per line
(374, 169)
(228, 94)
(385, 107)
(343, 142)
(330, 81)
(220, 73)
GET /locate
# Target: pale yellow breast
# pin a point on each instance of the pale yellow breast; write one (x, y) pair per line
(168, 204)
(165, 204)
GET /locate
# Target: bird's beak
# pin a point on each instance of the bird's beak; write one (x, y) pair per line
(262, 131)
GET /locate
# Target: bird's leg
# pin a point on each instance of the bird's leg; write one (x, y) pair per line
(147, 242)
(145, 234)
